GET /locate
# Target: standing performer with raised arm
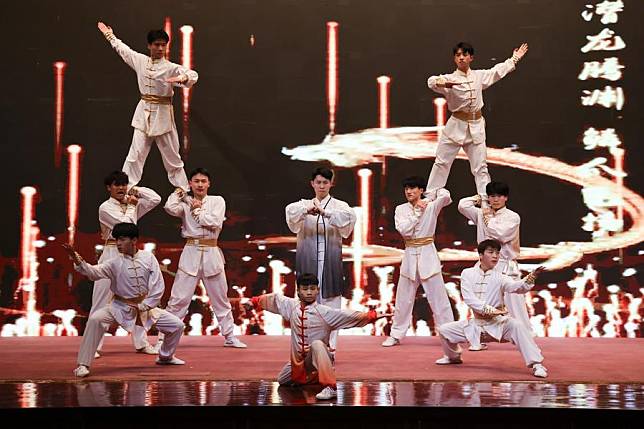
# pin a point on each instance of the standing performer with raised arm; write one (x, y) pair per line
(311, 326)
(202, 218)
(463, 90)
(416, 222)
(483, 289)
(153, 119)
(502, 224)
(137, 284)
(123, 206)
(320, 224)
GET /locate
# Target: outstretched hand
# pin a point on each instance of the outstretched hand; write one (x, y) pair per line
(520, 51)
(104, 28)
(530, 278)
(72, 253)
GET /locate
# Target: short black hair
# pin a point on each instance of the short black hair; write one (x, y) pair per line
(414, 182)
(199, 170)
(465, 47)
(116, 178)
(497, 188)
(488, 244)
(327, 173)
(306, 279)
(125, 230)
(154, 35)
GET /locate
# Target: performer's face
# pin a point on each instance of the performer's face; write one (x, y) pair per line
(117, 191)
(489, 258)
(463, 60)
(157, 49)
(322, 186)
(307, 293)
(413, 194)
(199, 185)
(126, 245)
(497, 201)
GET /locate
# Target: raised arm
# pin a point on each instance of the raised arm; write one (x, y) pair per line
(147, 199)
(520, 286)
(499, 71)
(130, 56)
(468, 207)
(92, 272)
(406, 219)
(174, 205)
(342, 319)
(274, 303)
(443, 199)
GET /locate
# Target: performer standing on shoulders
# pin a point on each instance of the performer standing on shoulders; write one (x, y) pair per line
(202, 217)
(502, 224)
(124, 205)
(311, 326)
(137, 284)
(416, 222)
(463, 90)
(483, 289)
(153, 119)
(320, 224)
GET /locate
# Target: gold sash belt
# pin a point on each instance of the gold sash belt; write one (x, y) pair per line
(131, 301)
(467, 116)
(110, 242)
(203, 242)
(156, 99)
(418, 242)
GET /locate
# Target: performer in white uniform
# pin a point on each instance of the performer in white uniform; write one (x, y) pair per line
(416, 222)
(202, 218)
(123, 206)
(311, 326)
(463, 90)
(483, 289)
(500, 223)
(320, 224)
(137, 284)
(153, 119)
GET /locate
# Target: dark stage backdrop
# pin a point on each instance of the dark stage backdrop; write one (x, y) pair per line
(262, 87)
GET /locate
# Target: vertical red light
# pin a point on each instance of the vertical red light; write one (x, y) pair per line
(26, 243)
(332, 73)
(59, 99)
(618, 155)
(383, 101)
(167, 27)
(186, 61)
(365, 202)
(73, 186)
(440, 110)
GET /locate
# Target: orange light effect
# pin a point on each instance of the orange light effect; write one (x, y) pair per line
(332, 72)
(167, 27)
(73, 185)
(357, 249)
(383, 101)
(365, 202)
(26, 243)
(440, 111)
(59, 80)
(618, 155)
(186, 61)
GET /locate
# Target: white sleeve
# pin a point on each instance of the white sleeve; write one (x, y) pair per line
(503, 229)
(431, 84)
(156, 286)
(467, 208)
(295, 214)
(405, 222)
(496, 73)
(212, 214)
(174, 206)
(96, 272)
(192, 76)
(109, 215)
(148, 199)
(342, 217)
(130, 56)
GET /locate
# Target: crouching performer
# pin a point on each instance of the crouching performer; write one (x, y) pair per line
(311, 325)
(483, 289)
(137, 284)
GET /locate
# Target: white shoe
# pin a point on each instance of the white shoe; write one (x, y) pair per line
(148, 350)
(539, 370)
(171, 361)
(478, 348)
(157, 346)
(97, 355)
(327, 393)
(390, 342)
(81, 371)
(234, 342)
(447, 361)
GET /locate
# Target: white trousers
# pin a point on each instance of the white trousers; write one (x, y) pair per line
(454, 333)
(101, 297)
(333, 302)
(102, 319)
(515, 302)
(183, 290)
(168, 145)
(406, 296)
(445, 155)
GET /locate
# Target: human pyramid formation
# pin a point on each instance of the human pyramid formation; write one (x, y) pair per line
(129, 285)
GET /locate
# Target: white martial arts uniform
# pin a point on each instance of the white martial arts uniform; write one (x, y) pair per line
(503, 226)
(483, 292)
(133, 280)
(201, 260)
(154, 117)
(311, 326)
(420, 264)
(110, 213)
(319, 246)
(466, 97)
